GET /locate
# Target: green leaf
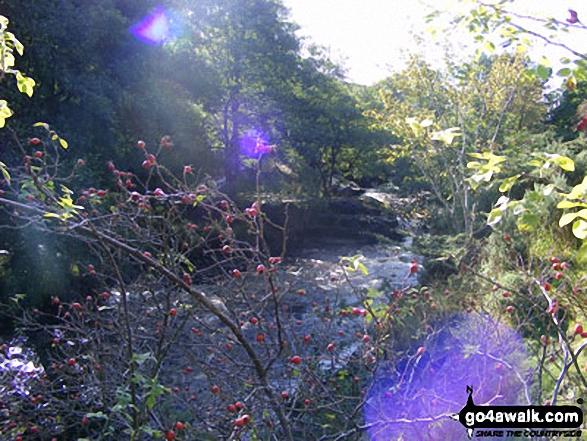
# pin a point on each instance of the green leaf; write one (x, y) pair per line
(489, 46)
(41, 124)
(508, 183)
(567, 219)
(5, 112)
(25, 84)
(563, 162)
(4, 171)
(150, 402)
(564, 72)
(494, 216)
(580, 229)
(528, 222)
(96, 415)
(544, 72)
(581, 256)
(569, 204)
(447, 136)
(63, 143)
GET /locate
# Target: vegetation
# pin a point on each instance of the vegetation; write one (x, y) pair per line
(141, 295)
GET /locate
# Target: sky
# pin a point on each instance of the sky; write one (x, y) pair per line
(372, 37)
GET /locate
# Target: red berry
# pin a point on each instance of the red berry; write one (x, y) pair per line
(578, 328)
(260, 337)
(187, 279)
(38, 154)
(246, 419)
(366, 338)
(296, 359)
(187, 169)
(71, 362)
(141, 144)
(215, 389)
(558, 276)
(170, 435)
(146, 164)
(284, 395)
(101, 193)
(260, 269)
(173, 312)
(231, 408)
(151, 158)
(510, 308)
(254, 320)
(506, 294)
(421, 350)
(236, 273)
(547, 286)
(80, 162)
(239, 422)
(85, 420)
(34, 141)
(330, 347)
(179, 425)
(239, 405)
(414, 267)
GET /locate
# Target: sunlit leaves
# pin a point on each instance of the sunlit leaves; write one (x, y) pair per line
(4, 171)
(354, 263)
(8, 44)
(508, 183)
(5, 112)
(484, 171)
(52, 134)
(446, 136)
(25, 84)
(563, 162)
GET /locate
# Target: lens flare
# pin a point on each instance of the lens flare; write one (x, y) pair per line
(416, 395)
(158, 27)
(253, 144)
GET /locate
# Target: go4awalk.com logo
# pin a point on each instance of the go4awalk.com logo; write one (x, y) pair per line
(520, 421)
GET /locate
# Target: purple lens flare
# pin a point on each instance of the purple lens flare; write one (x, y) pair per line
(415, 396)
(158, 27)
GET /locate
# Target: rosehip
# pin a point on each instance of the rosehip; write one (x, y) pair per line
(296, 359)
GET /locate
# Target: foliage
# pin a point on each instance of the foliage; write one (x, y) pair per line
(440, 118)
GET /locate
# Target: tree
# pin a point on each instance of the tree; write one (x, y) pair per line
(441, 118)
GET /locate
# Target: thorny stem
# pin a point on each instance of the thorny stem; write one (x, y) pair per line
(198, 296)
